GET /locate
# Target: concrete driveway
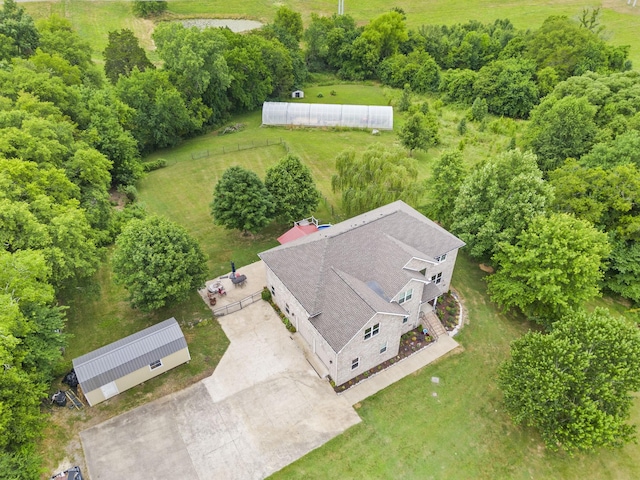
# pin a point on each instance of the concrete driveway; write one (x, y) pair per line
(263, 408)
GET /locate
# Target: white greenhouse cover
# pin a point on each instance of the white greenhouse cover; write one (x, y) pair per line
(327, 115)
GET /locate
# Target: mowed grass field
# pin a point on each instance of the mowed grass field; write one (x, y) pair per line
(94, 19)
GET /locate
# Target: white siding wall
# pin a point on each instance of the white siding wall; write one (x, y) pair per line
(299, 317)
(368, 351)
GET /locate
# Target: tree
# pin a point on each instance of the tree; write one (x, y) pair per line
(508, 87)
(289, 21)
(19, 27)
(448, 175)
(419, 132)
(241, 201)
(379, 176)
(561, 129)
(479, 109)
(405, 99)
(161, 117)
(574, 384)
(158, 262)
(291, 186)
(149, 8)
(497, 201)
(123, 54)
(554, 267)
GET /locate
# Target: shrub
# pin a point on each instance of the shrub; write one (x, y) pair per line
(130, 191)
(154, 165)
(148, 8)
(266, 294)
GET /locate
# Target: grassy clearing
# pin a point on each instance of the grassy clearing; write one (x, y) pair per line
(463, 432)
(183, 190)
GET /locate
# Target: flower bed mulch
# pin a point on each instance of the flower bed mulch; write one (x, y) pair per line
(448, 310)
(410, 343)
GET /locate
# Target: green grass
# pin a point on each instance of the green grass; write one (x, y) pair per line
(463, 432)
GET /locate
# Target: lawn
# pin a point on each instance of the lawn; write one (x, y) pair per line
(183, 190)
(94, 19)
(462, 433)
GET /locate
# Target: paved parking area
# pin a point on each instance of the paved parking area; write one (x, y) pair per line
(263, 408)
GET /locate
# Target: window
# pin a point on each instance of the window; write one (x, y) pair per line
(437, 278)
(354, 363)
(156, 364)
(372, 331)
(383, 348)
(441, 258)
(405, 319)
(273, 290)
(405, 296)
(286, 307)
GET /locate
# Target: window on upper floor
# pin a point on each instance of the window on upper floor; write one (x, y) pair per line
(372, 331)
(437, 278)
(405, 296)
(441, 258)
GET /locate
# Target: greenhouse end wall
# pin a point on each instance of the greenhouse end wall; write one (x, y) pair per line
(327, 115)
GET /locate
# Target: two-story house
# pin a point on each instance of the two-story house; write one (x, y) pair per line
(353, 289)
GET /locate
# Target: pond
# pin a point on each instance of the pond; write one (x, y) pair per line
(235, 25)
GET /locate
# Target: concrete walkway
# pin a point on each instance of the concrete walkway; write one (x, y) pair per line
(391, 375)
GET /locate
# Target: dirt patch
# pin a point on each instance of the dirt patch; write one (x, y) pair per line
(117, 199)
(486, 268)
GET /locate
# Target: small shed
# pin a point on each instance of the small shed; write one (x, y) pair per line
(128, 362)
(297, 94)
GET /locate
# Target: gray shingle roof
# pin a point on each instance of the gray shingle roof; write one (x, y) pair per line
(342, 274)
(128, 354)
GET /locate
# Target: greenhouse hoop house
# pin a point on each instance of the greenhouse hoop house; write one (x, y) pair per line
(327, 115)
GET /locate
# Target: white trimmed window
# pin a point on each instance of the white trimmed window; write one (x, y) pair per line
(273, 290)
(405, 296)
(286, 307)
(383, 348)
(372, 331)
(355, 362)
(441, 258)
(405, 319)
(437, 278)
(155, 364)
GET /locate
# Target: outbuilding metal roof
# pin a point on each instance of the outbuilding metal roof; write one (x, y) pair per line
(129, 354)
(327, 115)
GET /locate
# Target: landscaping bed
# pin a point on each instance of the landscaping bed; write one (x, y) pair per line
(410, 343)
(448, 311)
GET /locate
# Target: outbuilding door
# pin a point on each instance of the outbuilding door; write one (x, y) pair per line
(109, 390)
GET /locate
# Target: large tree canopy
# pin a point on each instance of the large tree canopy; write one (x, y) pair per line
(158, 262)
(497, 201)
(574, 384)
(241, 201)
(380, 175)
(554, 266)
(123, 54)
(291, 186)
(561, 129)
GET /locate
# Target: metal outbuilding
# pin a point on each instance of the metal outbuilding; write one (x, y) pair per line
(123, 364)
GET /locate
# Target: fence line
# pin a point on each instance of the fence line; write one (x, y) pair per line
(238, 147)
(234, 307)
